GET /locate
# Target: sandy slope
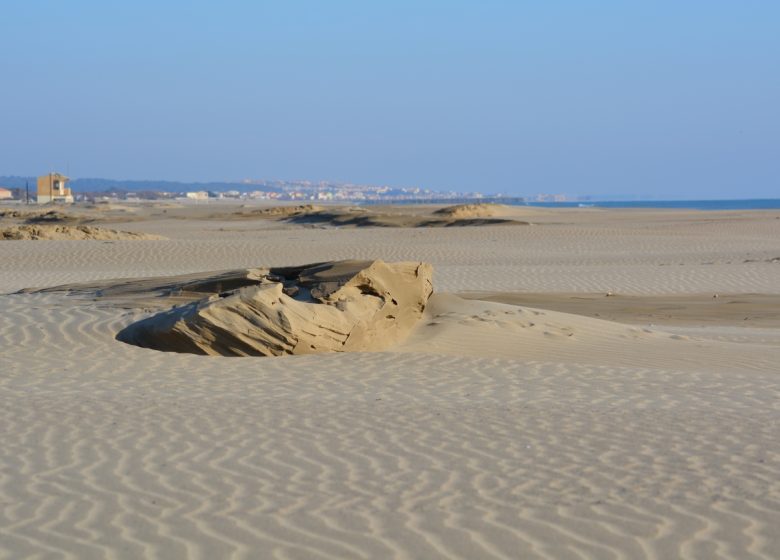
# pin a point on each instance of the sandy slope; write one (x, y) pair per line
(756, 310)
(454, 326)
(491, 433)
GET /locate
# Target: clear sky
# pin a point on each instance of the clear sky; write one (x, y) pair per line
(664, 97)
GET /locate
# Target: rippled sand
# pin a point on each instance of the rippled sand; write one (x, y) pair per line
(495, 431)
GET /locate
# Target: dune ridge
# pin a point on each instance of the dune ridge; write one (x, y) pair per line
(377, 216)
(482, 210)
(363, 217)
(44, 231)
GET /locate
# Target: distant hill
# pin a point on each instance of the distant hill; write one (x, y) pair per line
(113, 185)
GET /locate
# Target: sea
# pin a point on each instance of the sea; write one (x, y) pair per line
(738, 204)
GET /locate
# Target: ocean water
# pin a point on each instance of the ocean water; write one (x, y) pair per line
(747, 204)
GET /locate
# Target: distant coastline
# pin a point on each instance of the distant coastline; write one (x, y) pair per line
(322, 191)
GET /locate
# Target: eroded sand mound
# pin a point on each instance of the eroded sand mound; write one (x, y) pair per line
(466, 211)
(273, 212)
(60, 232)
(38, 216)
(379, 216)
(327, 307)
(285, 211)
(361, 217)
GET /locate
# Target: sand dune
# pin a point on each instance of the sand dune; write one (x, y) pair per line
(60, 232)
(360, 217)
(493, 431)
(376, 216)
(80, 215)
(37, 216)
(473, 210)
(278, 212)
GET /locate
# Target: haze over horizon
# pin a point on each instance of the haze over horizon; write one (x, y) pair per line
(622, 98)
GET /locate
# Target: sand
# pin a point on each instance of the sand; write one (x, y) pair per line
(755, 310)
(483, 210)
(537, 430)
(59, 232)
(465, 215)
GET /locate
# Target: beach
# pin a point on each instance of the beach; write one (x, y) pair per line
(584, 383)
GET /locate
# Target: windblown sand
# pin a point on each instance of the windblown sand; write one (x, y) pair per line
(494, 431)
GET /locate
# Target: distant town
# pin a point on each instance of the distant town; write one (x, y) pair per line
(57, 188)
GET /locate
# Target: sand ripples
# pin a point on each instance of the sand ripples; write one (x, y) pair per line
(614, 442)
(115, 451)
(702, 257)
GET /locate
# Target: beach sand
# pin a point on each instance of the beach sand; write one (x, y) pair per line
(528, 415)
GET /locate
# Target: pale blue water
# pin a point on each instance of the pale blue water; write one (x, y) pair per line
(749, 204)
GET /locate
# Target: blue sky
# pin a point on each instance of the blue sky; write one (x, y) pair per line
(663, 98)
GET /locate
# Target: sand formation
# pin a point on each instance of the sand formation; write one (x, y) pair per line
(454, 216)
(280, 212)
(34, 216)
(60, 232)
(38, 216)
(326, 307)
(379, 216)
(468, 211)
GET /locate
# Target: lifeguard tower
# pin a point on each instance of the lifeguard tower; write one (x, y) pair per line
(52, 188)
